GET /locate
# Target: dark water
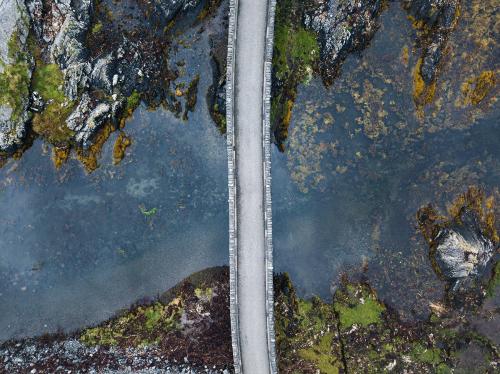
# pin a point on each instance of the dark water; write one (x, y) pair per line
(360, 161)
(75, 248)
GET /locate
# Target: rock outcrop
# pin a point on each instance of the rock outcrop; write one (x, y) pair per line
(436, 18)
(15, 74)
(463, 243)
(98, 66)
(462, 250)
(342, 27)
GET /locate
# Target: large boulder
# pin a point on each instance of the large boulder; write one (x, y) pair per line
(15, 74)
(462, 250)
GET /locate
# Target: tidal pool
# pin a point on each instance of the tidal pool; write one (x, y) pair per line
(361, 158)
(77, 247)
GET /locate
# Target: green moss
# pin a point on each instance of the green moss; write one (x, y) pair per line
(142, 326)
(204, 293)
(430, 356)
(15, 79)
(357, 305)
(96, 28)
(48, 81)
(153, 316)
(296, 51)
(494, 281)
(321, 355)
(314, 315)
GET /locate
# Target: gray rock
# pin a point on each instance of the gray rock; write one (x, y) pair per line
(171, 8)
(87, 118)
(68, 49)
(462, 250)
(342, 27)
(14, 27)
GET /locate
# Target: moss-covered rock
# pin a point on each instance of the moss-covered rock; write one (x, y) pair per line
(356, 333)
(15, 74)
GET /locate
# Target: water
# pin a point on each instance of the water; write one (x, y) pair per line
(75, 248)
(361, 160)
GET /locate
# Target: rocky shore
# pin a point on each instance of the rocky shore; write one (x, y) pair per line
(185, 330)
(314, 38)
(72, 72)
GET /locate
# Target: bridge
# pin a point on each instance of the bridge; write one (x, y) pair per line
(250, 46)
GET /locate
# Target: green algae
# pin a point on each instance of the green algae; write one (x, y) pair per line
(148, 213)
(15, 78)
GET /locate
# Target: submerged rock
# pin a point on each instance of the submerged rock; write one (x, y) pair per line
(15, 74)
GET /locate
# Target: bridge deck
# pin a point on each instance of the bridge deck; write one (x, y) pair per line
(253, 338)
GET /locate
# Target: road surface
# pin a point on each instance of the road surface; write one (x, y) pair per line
(249, 54)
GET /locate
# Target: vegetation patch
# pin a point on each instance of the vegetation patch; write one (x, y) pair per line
(423, 93)
(357, 304)
(48, 81)
(121, 144)
(142, 326)
(320, 355)
(296, 52)
(15, 78)
(89, 157)
(191, 96)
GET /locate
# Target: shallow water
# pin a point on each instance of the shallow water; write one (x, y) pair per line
(359, 163)
(75, 248)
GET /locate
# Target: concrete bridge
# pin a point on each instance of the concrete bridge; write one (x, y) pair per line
(250, 46)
